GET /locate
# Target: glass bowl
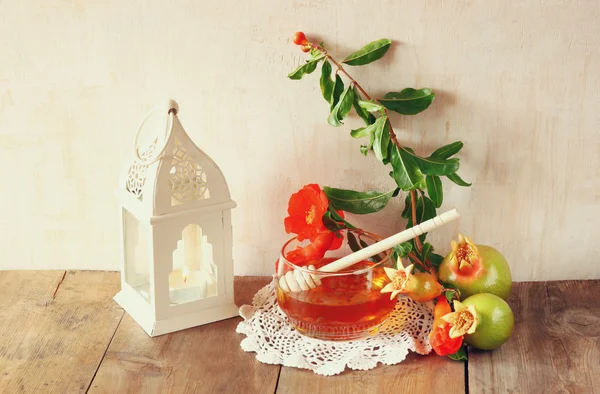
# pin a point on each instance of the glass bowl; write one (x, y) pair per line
(346, 305)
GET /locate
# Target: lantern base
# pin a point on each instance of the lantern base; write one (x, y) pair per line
(155, 328)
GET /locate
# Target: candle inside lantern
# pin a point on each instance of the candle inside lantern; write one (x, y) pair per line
(194, 274)
(185, 272)
(186, 285)
(191, 247)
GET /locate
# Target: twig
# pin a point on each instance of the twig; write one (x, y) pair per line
(352, 80)
(393, 137)
(414, 257)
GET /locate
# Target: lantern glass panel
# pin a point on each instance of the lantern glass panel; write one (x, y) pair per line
(194, 275)
(137, 238)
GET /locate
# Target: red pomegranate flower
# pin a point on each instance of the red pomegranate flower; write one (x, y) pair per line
(306, 209)
(315, 250)
(440, 340)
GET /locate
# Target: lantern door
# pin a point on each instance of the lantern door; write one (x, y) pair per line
(192, 268)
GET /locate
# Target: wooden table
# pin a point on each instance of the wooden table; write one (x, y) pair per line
(61, 332)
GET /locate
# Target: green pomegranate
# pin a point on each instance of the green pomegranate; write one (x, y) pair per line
(474, 269)
(495, 321)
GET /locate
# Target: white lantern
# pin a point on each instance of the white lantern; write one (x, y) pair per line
(177, 244)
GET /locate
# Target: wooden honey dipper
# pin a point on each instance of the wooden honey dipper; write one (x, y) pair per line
(300, 280)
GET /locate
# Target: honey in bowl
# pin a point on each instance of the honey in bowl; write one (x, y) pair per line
(347, 305)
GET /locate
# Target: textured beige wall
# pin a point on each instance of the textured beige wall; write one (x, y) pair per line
(517, 81)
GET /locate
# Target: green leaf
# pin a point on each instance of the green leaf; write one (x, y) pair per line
(361, 132)
(352, 242)
(326, 81)
(345, 105)
(434, 189)
(448, 150)
(382, 138)
(342, 108)
(425, 211)
(428, 210)
(386, 160)
(330, 223)
(357, 202)
(306, 68)
(451, 292)
(436, 259)
(437, 166)
(409, 101)
(396, 192)
(363, 113)
(338, 88)
(417, 268)
(314, 52)
(333, 120)
(434, 165)
(461, 354)
(364, 149)
(370, 106)
(364, 131)
(427, 249)
(412, 242)
(369, 53)
(405, 171)
(407, 207)
(458, 180)
(371, 141)
(403, 249)
(338, 218)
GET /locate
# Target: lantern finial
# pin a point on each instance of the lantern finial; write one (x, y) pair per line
(172, 106)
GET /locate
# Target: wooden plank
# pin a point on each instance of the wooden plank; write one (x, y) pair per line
(555, 346)
(55, 329)
(416, 374)
(246, 286)
(206, 359)
(22, 288)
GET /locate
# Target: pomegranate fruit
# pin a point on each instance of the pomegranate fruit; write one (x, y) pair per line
(495, 321)
(442, 308)
(423, 287)
(475, 269)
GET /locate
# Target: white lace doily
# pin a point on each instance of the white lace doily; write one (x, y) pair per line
(275, 342)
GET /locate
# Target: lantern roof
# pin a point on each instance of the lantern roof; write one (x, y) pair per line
(171, 175)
